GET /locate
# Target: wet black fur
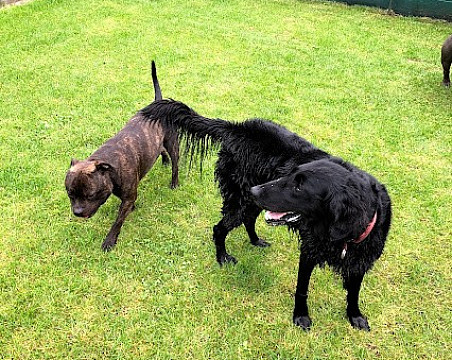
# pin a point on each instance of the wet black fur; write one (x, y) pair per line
(257, 151)
(335, 202)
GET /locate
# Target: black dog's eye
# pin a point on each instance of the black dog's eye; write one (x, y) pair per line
(298, 180)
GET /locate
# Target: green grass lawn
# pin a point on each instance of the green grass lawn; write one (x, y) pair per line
(356, 82)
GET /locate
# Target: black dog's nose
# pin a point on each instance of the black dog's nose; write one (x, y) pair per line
(256, 190)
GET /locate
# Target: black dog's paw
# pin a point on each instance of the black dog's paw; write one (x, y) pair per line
(226, 258)
(303, 321)
(359, 322)
(261, 243)
(108, 244)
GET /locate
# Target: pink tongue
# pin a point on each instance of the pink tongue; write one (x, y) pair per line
(274, 215)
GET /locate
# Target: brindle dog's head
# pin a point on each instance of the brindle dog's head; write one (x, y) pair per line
(88, 186)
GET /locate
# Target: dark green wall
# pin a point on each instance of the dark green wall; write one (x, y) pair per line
(441, 9)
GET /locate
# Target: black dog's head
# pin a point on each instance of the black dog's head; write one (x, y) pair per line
(88, 186)
(326, 194)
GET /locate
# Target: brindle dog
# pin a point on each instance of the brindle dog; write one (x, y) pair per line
(118, 166)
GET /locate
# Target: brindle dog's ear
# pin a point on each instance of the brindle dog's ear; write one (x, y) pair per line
(102, 166)
(74, 162)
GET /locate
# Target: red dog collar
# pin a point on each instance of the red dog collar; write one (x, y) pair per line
(361, 237)
(367, 231)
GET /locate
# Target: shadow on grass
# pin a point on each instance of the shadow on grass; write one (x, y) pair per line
(251, 274)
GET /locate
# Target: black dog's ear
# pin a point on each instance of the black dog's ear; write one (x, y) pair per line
(74, 162)
(339, 227)
(346, 215)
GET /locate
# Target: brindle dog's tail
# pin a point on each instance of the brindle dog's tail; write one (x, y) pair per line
(158, 92)
(199, 132)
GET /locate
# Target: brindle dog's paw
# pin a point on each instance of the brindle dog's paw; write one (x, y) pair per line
(226, 258)
(359, 322)
(261, 243)
(303, 321)
(108, 244)
(165, 159)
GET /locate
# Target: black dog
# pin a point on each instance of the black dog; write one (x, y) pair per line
(446, 59)
(342, 216)
(255, 152)
(118, 166)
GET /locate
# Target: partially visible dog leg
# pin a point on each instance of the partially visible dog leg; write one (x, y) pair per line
(300, 312)
(446, 60)
(446, 72)
(249, 220)
(125, 209)
(352, 284)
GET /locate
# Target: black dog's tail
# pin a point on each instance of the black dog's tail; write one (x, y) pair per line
(158, 92)
(199, 132)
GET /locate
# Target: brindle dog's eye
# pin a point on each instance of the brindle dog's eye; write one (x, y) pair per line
(90, 196)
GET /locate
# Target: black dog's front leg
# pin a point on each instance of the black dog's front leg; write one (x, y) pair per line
(352, 284)
(125, 209)
(300, 312)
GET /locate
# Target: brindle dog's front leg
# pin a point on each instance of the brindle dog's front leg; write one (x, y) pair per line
(125, 209)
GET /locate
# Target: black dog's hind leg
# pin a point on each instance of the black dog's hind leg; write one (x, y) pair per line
(300, 312)
(165, 158)
(220, 231)
(249, 220)
(352, 283)
(172, 146)
(232, 209)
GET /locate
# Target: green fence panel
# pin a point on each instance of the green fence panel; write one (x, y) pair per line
(440, 9)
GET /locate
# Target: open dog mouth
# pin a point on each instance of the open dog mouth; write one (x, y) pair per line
(84, 216)
(281, 218)
(80, 213)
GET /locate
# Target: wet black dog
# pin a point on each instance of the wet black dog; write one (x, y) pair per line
(118, 166)
(257, 151)
(342, 216)
(446, 60)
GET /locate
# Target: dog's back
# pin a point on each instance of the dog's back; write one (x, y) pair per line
(262, 151)
(134, 149)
